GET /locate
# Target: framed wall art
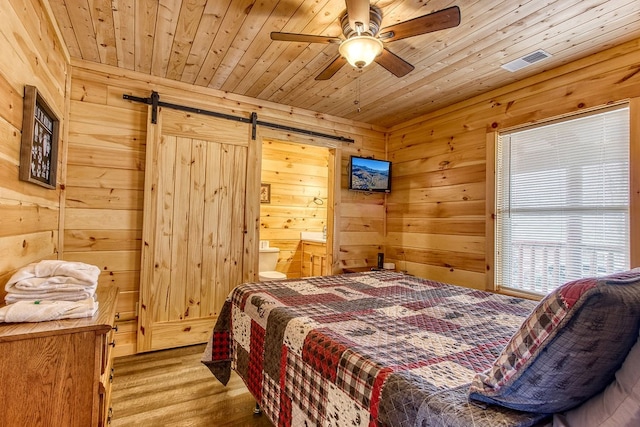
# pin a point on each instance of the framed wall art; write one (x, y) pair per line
(265, 193)
(39, 147)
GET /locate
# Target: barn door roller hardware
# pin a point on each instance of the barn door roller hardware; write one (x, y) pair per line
(154, 101)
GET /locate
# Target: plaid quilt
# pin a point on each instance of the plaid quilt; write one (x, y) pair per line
(365, 349)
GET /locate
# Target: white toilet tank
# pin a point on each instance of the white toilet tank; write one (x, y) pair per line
(267, 260)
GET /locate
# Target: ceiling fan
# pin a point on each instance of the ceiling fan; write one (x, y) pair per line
(363, 42)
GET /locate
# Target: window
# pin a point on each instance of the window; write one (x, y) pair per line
(562, 196)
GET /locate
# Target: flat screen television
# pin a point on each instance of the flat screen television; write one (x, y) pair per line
(369, 175)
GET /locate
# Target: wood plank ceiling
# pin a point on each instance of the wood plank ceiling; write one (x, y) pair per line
(225, 44)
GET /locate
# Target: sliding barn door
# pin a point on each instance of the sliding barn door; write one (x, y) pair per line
(195, 247)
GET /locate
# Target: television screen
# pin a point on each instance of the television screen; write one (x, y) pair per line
(369, 174)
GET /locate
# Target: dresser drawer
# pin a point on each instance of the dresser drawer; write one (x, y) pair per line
(108, 342)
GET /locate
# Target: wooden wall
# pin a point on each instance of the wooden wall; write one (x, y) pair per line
(104, 195)
(437, 212)
(103, 205)
(31, 55)
(298, 174)
(362, 220)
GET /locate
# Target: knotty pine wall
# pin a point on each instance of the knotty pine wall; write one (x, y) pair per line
(31, 55)
(104, 195)
(105, 173)
(298, 173)
(437, 221)
(362, 222)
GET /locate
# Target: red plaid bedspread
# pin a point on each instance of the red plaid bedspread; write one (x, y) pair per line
(369, 349)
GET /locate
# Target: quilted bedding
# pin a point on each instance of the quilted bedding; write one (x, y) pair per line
(365, 349)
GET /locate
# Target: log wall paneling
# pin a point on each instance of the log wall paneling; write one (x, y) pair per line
(104, 194)
(439, 212)
(362, 219)
(32, 54)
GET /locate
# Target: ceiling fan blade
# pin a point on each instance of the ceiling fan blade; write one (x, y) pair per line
(358, 11)
(436, 21)
(303, 38)
(332, 68)
(394, 64)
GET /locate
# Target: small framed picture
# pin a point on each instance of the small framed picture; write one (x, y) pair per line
(39, 146)
(265, 193)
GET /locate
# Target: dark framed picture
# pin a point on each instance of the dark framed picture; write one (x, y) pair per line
(265, 193)
(39, 147)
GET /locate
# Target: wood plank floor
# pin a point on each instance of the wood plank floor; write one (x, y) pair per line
(172, 388)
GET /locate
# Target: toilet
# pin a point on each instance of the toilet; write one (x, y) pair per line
(268, 258)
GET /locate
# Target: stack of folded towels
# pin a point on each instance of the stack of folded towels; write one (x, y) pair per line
(50, 290)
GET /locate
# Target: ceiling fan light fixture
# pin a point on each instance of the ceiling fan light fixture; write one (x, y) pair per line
(360, 51)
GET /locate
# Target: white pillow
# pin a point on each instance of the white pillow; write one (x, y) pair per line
(618, 405)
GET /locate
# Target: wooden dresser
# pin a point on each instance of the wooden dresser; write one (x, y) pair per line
(58, 373)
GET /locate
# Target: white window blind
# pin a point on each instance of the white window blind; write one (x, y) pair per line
(562, 193)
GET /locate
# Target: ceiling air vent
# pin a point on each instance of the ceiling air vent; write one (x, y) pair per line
(526, 60)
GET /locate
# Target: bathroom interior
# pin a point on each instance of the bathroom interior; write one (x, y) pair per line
(293, 210)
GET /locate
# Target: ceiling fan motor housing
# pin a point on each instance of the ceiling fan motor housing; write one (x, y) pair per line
(375, 19)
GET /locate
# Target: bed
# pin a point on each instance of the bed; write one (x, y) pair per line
(375, 349)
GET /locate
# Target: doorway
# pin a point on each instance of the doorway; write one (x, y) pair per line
(295, 206)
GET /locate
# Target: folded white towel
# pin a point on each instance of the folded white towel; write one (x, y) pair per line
(85, 273)
(77, 273)
(53, 280)
(42, 311)
(51, 295)
(57, 283)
